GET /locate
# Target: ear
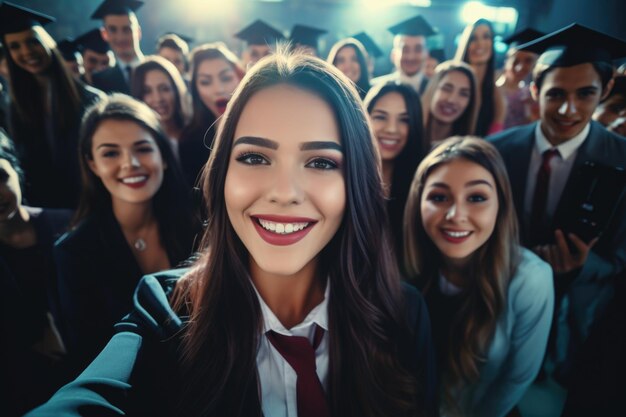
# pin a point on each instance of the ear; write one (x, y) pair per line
(607, 89)
(139, 32)
(92, 166)
(104, 33)
(534, 91)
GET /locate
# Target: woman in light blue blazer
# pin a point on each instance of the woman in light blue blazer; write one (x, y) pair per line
(490, 300)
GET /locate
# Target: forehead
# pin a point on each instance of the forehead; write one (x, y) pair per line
(576, 76)
(459, 171)
(392, 100)
(119, 132)
(259, 48)
(117, 20)
(289, 115)
(157, 76)
(481, 30)
(347, 50)
(19, 36)
(214, 65)
(171, 52)
(409, 41)
(457, 78)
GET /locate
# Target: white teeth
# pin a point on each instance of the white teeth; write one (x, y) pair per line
(389, 142)
(282, 228)
(456, 234)
(134, 180)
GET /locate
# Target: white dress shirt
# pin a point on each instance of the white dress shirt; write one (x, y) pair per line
(276, 376)
(560, 169)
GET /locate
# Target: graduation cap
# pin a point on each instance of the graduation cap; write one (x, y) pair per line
(108, 7)
(184, 38)
(523, 36)
(368, 43)
(14, 18)
(68, 49)
(575, 44)
(93, 40)
(306, 35)
(415, 26)
(438, 54)
(259, 33)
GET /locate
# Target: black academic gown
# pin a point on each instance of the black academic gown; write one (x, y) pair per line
(97, 275)
(135, 373)
(111, 80)
(194, 149)
(592, 286)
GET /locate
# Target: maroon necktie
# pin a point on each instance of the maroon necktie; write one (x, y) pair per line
(299, 353)
(538, 230)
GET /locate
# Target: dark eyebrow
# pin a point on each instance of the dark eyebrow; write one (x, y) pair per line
(114, 145)
(312, 146)
(378, 110)
(253, 140)
(468, 184)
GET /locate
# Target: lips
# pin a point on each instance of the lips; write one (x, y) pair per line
(282, 230)
(136, 181)
(456, 236)
(221, 105)
(389, 144)
(448, 110)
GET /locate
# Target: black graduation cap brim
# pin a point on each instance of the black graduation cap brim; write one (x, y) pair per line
(93, 40)
(68, 49)
(575, 44)
(438, 54)
(184, 38)
(306, 35)
(369, 44)
(108, 7)
(415, 26)
(14, 18)
(523, 36)
(259, 33)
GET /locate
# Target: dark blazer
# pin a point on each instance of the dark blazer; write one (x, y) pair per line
(97, 275)
(137, 357)
(608, 257)
(111, 80)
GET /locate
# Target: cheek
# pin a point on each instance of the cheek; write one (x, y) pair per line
(230, 88)
(463, 103)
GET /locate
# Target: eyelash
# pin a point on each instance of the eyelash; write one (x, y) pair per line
(249, 157)
(440, 198)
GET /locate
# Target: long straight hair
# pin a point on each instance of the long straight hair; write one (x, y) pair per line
(365, 307)
(491, 267)
(171, 203)
(405, 164)
(466, 123)
(488, 84)
(363, 83)
(28, 97)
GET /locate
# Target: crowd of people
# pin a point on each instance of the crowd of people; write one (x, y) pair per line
(193, 233)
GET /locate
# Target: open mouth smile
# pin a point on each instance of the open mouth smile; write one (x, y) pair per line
(282, 230)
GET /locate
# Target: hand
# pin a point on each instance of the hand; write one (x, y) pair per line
(560, 257)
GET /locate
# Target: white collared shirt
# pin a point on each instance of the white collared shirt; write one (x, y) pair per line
(276, 377)
(561, 167)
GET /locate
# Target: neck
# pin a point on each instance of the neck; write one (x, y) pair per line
(291, 297)
(556, 141)
(479, 70)
(387, 176)
(171, 129)
(455, 271)
(439, 130)
(15, 224)
(132, 217)
(130, 57)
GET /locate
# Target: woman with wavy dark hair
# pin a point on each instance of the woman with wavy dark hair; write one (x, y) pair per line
(157, 82)
(350, 57)
(396, 117)
(47, 103)
(490, 300)
(215, 74)
(450, 103)
(134, 218)
(295, 306)
(476, 48)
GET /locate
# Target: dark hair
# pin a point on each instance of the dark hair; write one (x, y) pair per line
(466, 123)
(604, 70)
(171, 203)
(365, 307)
(27, 96)
(202, 117)
(491, 267)
(406, 162)
(486, 111)
(363, 83)
(157, 63)
(7, 151)
(174, 42)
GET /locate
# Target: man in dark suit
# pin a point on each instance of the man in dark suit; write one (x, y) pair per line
(543, 160)
(120, 28)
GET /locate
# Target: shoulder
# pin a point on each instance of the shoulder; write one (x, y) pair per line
(79, 237)
(512, 136)
(613, 144)
(533, 277)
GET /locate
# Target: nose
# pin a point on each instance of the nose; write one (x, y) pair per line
(456, 213)
(286, 188)
(568, 107)
(131, 161)
(391, 126)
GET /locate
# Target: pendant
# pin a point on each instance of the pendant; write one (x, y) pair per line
(140, 245)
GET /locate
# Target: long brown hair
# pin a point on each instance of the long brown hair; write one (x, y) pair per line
(490, 269)
(466, 123)
(366, 305)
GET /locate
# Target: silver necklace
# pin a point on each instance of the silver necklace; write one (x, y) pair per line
(140, 245)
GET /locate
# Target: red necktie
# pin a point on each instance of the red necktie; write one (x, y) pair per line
(538, 229)
(299, 353)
